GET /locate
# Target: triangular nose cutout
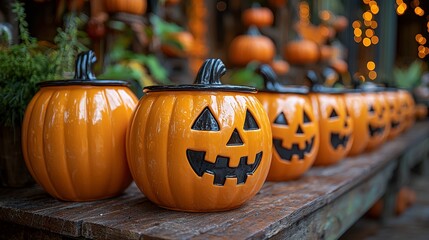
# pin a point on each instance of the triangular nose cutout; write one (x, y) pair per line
(299, 130)
(235, 139)
(345, 124)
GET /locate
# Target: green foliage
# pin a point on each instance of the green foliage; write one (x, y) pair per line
(409, 77)
(26, 64)
(247, 76)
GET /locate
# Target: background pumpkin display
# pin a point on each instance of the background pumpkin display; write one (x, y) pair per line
(73, 136)
(301, 51)
(227, 153)
(294, 128)
(251, 47)
(257, 16)
(358, 110)
(128, 6)
(378, 119)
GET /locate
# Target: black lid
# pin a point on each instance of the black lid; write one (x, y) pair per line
(271, 84)
(208, 79)
(317, 87)
(84, 75)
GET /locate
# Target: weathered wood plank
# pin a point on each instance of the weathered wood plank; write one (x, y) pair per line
(278, 209)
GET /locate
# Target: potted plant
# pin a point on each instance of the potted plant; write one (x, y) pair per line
(23, 66)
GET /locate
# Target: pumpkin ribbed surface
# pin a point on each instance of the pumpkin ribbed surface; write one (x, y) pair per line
(169, 130)
(73, 140)
(247, 48)
(358, 110)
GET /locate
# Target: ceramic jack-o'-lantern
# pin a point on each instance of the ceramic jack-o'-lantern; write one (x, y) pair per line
(202, 147)
(73, 136)
(396, 113)
(407, 105)
(378, 118)
(335, 123)
(358, 110)
(294, 127)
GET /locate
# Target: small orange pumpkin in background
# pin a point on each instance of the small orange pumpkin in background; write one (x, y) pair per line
(184, 39)
(301, 52)
(339, 65)
(251, 47)
(280, 66)
(137, 7)
(73, 136)
(378, 118)
(358, 110)
(421, 111)
(408, 105)
(294, 128)
(257, 16)
(335, 123)
(395, 112)
(202, 147)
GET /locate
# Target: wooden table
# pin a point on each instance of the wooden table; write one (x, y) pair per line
(322, 204)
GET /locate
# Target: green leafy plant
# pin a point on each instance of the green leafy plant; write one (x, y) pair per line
(409, 77)
(247, 76)
(28, 63)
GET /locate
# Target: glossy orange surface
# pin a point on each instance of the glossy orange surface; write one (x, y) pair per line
(358, 110)
(179, 167)
(379, 119)
(296, 139)
(396, 114)
(335, 127)
(408, 104)
(73, 140)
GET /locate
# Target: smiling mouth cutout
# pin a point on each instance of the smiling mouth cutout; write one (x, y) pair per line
(394, 124)
(337, 140)
(287, 153)
(220, 169)
(375, 130)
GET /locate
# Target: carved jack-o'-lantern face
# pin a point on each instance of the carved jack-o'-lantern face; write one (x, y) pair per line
(395, 112)
(358, 110)
(378, 119)
(335, 127)
(294, 127)
(200, 147)
(221, 168)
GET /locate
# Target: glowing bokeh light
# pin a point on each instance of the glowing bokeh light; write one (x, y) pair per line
(370, 65)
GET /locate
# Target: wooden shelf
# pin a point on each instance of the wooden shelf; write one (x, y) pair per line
(324, 203)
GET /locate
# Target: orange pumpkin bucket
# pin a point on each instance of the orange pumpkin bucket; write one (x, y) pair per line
(378, 117)
(395, 111)
(73, 136)
(335, 123)
(407, 105)
(202, 147)
(294, 127)
(358, 110)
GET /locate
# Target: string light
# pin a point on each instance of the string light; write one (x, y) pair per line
(369, 33)
(374, 40)
(419, 11)
(372, 75)
(370, 65)
(366, 42)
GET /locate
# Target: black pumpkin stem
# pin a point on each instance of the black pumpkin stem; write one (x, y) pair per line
(210, 72)
(83, 69)
(270, 78)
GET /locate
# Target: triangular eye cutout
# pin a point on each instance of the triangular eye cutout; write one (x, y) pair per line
(333, 114)
(306, 118)
(235, 139)
(281, 119)
(371, 109)
(206, 121)
(250, 122)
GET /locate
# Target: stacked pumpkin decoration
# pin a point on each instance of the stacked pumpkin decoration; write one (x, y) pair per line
(251, 47)
(137, 7)
(73, 136)
(294, 127)
(227, 153)
(335, 123)
(257, 16)
(301, 51)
